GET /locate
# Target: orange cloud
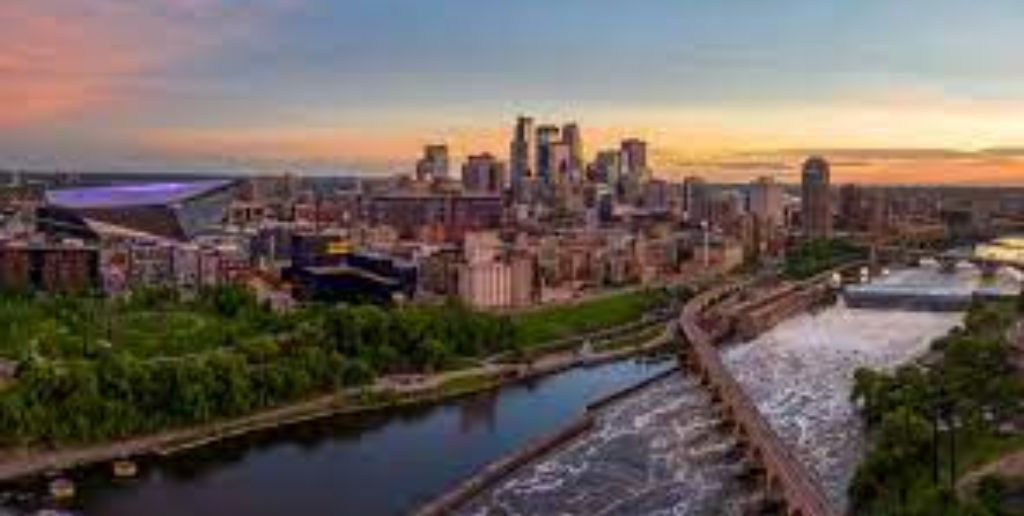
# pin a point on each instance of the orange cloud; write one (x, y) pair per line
(61, 57)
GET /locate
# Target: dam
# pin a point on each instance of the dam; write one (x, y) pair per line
(649, 454)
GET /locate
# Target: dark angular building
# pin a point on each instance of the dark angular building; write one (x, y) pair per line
(355, 278)
(171, 211)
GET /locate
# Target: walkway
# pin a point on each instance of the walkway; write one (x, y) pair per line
(784, 473)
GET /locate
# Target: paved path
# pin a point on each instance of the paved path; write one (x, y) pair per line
(15, 463)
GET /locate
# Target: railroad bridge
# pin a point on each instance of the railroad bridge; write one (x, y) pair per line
(947, 259)
(784, 476)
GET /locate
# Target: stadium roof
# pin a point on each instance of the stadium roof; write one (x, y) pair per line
(119, 196)
(174, 211)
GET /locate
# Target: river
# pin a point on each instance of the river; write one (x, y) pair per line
(378, 464)
(800, 373)
(648, 454)
(658, 452)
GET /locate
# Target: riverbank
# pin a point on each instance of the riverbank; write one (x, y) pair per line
(967, 394)
(492, 474)
(386, 393)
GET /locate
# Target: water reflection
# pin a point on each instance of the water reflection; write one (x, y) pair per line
(380, 463)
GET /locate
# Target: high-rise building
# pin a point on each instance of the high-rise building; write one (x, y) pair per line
(546, 136)
(816, 203)
(483, 173)
(571, 136)
(635, 157)
(559, 165)
(853, 213)
(608, 167)
(765, 199)
(877, 209)
(696, 199)
(433, 164)
(521, 151)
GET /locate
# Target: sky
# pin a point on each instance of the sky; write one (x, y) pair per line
(935, 88)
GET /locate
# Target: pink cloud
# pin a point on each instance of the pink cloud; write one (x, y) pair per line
(62, 57)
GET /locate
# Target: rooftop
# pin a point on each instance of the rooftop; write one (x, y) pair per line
(145, 194)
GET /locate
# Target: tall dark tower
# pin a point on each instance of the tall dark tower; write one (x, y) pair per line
(521, 150)
(816, 203)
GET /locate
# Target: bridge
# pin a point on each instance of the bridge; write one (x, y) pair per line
(947, 259)
(933, 241)
(783, 474)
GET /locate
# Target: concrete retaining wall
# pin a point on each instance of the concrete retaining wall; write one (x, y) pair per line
(492, 474)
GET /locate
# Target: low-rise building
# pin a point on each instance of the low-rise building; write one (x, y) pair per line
(62, 268)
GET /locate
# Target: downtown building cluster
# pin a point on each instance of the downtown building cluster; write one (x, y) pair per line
(542, 224)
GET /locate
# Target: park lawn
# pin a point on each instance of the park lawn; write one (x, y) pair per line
(559, 322)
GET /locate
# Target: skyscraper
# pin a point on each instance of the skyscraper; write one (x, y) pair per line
(433, 164)
(521, 159)
(571, 137)
(816, 204)
(546, 136)
(608, 167)
(766, 200)
(559, 165)
(695, 199)
(853, 214)
(635, 156)
(483, 173)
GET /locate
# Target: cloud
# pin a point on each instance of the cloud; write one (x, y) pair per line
(62, 57)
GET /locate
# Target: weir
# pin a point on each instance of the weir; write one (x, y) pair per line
(784, 476)
(916, 289)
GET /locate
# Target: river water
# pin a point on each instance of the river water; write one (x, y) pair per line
(650, 453)
(380, 464)
(800, 373)
(659, 452)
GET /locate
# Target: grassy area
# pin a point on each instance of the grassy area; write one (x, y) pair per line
(560, 322)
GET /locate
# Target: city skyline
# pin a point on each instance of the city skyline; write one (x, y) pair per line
(218, 85)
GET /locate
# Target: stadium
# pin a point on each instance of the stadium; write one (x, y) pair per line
(167, 211)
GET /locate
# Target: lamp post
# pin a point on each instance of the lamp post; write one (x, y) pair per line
(707, 242)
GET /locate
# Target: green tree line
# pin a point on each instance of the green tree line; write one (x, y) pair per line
(926, 420)
(114, 391)
(817, 256)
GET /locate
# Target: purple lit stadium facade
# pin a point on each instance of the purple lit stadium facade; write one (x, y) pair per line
(170, 211)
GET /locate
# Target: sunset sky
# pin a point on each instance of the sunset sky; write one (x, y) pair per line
(360, 85)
